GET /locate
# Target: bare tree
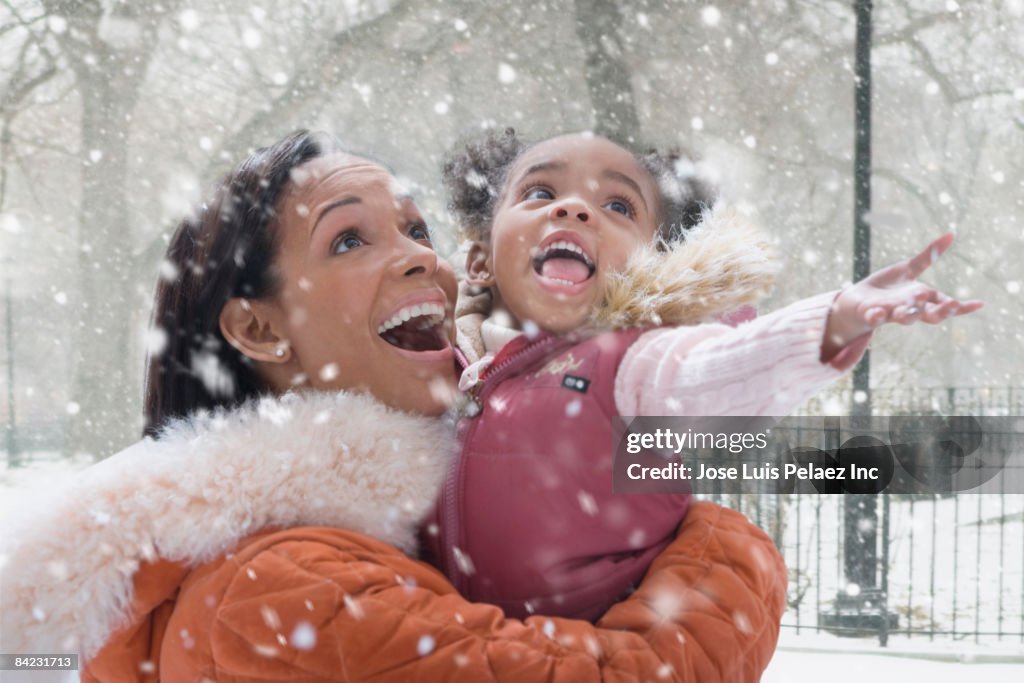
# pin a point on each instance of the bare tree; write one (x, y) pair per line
(607, 72)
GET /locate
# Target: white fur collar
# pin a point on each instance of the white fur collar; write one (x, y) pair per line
(317, 459)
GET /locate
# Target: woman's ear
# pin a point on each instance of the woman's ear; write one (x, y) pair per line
(248, 327)
(478, 266)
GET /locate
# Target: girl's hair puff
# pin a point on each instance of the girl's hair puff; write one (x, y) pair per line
(474, 176)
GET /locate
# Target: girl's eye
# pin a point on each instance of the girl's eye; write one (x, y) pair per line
(346, 242)
(620, 206)
(539, 193)
(419, 232)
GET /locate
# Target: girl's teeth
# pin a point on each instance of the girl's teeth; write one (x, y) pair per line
(568, 246)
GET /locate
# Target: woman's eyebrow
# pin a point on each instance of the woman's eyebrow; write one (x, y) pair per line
(345, 201)
(623, 178)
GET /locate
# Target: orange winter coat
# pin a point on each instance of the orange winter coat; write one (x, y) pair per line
(227, 551)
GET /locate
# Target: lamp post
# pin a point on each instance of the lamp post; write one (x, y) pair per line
(861, 514)
(862, 606)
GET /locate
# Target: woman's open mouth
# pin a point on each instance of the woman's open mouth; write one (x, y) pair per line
(563, 263)
(418, 329)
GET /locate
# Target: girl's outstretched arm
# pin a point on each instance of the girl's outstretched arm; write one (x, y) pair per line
(892, 294)
(773, 364)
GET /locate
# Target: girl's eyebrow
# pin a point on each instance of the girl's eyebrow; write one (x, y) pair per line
(543, 166)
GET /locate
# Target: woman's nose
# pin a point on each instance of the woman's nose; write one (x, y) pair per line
(572, 208)
(415, 259)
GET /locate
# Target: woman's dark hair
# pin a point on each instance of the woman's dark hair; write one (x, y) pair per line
(226, 249)
(475, 173)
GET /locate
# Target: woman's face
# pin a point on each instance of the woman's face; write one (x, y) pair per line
(366, 303)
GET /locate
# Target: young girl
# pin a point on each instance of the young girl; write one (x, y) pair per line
(527, 518)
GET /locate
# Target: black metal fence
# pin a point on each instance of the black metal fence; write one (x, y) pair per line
(951, 566)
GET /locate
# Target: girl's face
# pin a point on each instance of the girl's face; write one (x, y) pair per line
(573, 209)
(366, 304)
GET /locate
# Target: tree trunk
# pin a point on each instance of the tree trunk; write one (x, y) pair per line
(606, 70)
(104, 387)
(108, 80)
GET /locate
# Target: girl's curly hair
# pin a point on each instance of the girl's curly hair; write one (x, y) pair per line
(475, 174)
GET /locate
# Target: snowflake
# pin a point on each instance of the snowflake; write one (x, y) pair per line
(354, 608)
(425, 645)
(463, 561)
(329, 372)
(304, 636)
(189, 20)
(506, 73)
(711, 15)
(587, 503)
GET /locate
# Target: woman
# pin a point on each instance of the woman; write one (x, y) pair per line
(259, 539)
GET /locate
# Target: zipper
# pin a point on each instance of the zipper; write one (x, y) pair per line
(449, 496)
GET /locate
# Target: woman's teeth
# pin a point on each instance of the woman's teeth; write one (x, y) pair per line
(434, 313)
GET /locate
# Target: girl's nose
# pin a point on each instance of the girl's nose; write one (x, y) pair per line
(570, 207)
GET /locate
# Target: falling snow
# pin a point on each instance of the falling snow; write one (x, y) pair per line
(303, 636)
(506, 74)
(425, 645)
(762, 95)
(711, 15)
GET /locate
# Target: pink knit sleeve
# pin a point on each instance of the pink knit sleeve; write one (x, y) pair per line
(765, 367)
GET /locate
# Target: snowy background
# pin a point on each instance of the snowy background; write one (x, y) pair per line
(116, 115)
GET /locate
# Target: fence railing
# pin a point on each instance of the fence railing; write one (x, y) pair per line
(951, 565)
(955, 564)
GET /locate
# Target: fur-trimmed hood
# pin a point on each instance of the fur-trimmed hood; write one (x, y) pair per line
(338, 460)
(726, 262)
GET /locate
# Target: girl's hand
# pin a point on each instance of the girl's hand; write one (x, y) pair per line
(892, 294)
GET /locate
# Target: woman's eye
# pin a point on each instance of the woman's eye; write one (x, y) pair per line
(419, 232)
(346, 242)
(620, 207)
(539, 193)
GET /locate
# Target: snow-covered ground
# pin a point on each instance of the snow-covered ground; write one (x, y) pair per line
(40, 470)
(955, 565)
(813, 667)
(989, 536)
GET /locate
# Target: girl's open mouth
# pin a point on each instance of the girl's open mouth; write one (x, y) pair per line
(564, 263)
(417, 329)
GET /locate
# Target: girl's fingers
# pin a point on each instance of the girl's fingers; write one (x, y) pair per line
(876, 315)
(970, 306)
(905, 315)
(906, 296)
(936, 313)
(922, 295)
(920, 263)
